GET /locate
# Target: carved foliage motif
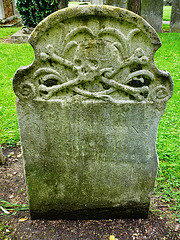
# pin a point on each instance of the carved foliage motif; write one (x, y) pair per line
(100, 65)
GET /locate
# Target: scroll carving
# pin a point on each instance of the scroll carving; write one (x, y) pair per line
(26, 91)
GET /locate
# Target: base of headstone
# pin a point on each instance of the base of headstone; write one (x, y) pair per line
(19, 37)
(124, 212)
(101, 164)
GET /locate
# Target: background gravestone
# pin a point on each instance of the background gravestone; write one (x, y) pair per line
(152, 11)
(175, 17)
(116, 3)
(2, 14)
(96, 2)
(88, 110)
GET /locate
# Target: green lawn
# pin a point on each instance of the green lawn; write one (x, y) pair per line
(166, 17)
(167, 13)
(7, 32)
(12, 56)
(168, 141)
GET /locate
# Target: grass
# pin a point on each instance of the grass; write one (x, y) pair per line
(168, 141)
(7, 32)
(167, 13)
(165, 27)
(12, 56)
(7, 208)
(166, 17)
(5, 233)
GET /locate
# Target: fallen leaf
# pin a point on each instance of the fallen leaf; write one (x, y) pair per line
(11, 196)
(4, 210)
(177, 227)
(22, 219)
(112, 237)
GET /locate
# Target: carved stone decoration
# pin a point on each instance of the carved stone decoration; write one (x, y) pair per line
(88, 110)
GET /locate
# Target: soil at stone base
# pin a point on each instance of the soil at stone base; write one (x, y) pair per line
(13, 23)
(20, 226)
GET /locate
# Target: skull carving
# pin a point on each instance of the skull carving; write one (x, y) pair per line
(91, 61)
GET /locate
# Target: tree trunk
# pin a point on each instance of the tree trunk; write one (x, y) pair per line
(8, 8)
(175, 17)
(2, 157)
(134, 6)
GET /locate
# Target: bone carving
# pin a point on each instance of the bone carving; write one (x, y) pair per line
(88, 69)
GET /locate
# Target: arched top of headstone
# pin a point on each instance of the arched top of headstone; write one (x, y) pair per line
(94, 52)
(81, 12)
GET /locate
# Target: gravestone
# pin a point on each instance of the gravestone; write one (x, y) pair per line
(175, 17)
(152, 11)
(116, 3)
(2, 14)
(88, 110)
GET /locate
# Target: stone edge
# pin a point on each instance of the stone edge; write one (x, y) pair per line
(103, 10)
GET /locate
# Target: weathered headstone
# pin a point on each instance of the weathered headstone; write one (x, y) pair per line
(88, 111)
(116, 3)
(175, 17)
(16, 13)
(152, 11)
(2, 14)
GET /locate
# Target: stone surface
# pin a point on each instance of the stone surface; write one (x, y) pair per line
(116, 3)
(96, 2)
(152, 11)
(16, 13)
(2, 14)
(175, 17)
(88, 110)
(20, 37)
